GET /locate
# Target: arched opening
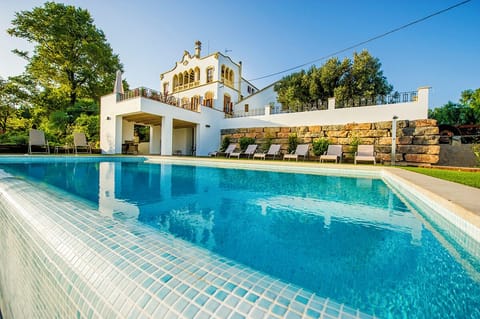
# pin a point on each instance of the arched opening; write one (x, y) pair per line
(209, 74)
(227, 104)
(191, 78)
(180, 79)
(175, 82)
(197, 75)
(195, 101)
(208, 101)
(222, 77)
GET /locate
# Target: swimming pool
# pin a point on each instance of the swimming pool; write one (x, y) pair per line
(354, 240)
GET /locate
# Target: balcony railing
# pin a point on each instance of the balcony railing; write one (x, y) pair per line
(156, 96)
(397, 97)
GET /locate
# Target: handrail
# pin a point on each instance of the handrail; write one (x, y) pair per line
(156, 96)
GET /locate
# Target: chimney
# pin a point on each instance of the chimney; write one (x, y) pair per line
(198, 47)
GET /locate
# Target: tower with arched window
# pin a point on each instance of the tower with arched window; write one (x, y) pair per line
(213, 80)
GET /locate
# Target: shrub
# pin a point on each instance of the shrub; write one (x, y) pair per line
(292, 142)
(354, 142)
(225, 143)
(245, 141)
(268, 143)
(320, 146)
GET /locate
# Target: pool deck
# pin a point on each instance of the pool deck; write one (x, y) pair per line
(460, 199)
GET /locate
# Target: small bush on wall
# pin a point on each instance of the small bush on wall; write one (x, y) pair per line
(225, 142)
(292, 142)
(320, 146)
(245, 141)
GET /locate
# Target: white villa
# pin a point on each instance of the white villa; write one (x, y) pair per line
(201, 95)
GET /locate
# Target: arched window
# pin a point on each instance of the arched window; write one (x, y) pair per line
(209, 74)
(208, 101)
(222, 77)
(197, 75)
(195, 101)
(230, 77)
(191, 78)
(185, 102)
(175, 82)
(180, 79)
(185, 78)
(227, 105)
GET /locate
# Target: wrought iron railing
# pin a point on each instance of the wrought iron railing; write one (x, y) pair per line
(320, 105)
(156, 96)
(397, 97)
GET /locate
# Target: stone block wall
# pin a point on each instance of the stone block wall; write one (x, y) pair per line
(417, 141)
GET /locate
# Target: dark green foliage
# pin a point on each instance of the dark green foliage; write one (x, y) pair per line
(320, 146)
(267, 144)
(245, 141)
(345, 80)
(467, 111)
(225, 143)
(70, 67)
(292, 142)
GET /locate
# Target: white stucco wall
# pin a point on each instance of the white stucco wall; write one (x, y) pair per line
(257, 102)
(404, 111)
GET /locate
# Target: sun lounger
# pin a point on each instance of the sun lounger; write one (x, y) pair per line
(80, 143)
(230, 149)
(333, 153)
(249, 151)
(302, 150)
(365, 153)
(36, 138)
(273, 151)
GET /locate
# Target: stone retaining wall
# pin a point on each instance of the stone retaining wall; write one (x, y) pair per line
(417, 141)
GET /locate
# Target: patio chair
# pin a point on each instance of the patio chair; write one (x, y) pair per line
(37, 139)
(333, 153)
(273, 151)
(365, 153)
(230, 149)
(249, 151)
(80, 142)
(302, 150)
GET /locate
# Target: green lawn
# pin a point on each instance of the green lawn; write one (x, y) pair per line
(467, 178)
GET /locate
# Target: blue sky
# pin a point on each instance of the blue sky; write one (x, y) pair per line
(270, 36)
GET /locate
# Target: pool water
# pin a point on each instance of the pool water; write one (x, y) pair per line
(349, 239)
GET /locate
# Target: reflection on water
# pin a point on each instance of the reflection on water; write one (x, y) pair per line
(351, 239)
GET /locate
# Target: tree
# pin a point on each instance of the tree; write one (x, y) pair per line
(70, 54)
(472, 99)
(467, 111)
(362, 79)
(13, 94)
(345, 80)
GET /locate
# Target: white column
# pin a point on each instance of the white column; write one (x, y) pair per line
(331, 103)
(167, 135)
(422, 95)
(155, 139)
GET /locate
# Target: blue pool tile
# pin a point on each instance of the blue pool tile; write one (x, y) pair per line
(221, 295)
(312, 313)
(240, 292)
(237, 316)
(252, 297)
(278, 310)
(264, 303)
(201, 299)
(210, 290)
(301, 299)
